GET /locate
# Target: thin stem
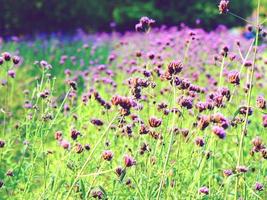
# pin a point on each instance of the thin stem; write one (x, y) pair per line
(170, 144)
(240, 151)
(243, 19)
(89, 157)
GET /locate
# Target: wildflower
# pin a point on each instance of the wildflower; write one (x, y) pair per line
(151, 55)
(244, 110)
(97, 194)
(2, 143)
(97, 122)
(204, 190)
(185, 84)
(87, 147)
(127, 130)
(225, 51)
(16, 60)
(261, 102)
(138, 54)
(73, 84)
(65, 144)
(258, 186)
(200, 141)
(174, 67)
(11, 73)
(248, 64)
(139, 27)
(112, 57)
(257, 143)
(203, 122)
(184, 132)
(107, 155)
(154, 122)
(101, 101)
(219, 131)
(6, 56)
(186, 102)
(119, 171)
(220, 120)
(144, 129)
(43, 63)
(233, 77)
(228, 172)
(44, 94)
(124, 102)
(78, 148)
(58, 136)
(144, 24)
(66, 107)
(226, 93)
(10, 173)
(249, 27)
(241, 169)
(74, 134)
(129, 161)
(224, 6)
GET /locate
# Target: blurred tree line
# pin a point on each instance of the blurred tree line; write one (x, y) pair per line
(24, 16)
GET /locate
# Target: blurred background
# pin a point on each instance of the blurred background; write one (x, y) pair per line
(20, 17)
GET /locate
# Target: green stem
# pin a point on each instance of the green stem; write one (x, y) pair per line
(170, 144)
(244, 128)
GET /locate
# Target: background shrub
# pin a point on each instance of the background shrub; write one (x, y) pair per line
(23, 16)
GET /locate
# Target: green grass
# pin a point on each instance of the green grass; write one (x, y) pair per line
(174, 168)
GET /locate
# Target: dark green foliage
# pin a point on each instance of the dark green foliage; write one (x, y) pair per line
(23, 16)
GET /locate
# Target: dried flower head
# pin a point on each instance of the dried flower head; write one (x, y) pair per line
(204, 190)
(154, 122)
(224, 6)
(107, 155)
(129, 161)
(258, 186)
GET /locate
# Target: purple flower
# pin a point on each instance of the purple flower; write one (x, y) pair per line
(119, 170)
(107, 155)
(228, 172)
(241, 169)
(233, 77)
(224, 6)
(11, 73)
(258, 186)
(204, 190)
(129, 161)
(219, 131)
(144, 24)
(200, 141)
(16, 60)
(65, 144)
(6, 56)
(154, 122)
(2, 143)
(261, 102)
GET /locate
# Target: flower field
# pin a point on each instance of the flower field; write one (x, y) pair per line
(156, 113)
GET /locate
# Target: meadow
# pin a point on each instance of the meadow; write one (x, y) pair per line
(156, 113)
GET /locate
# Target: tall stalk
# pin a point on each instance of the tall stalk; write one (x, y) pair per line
(244, 128)
(170, 144)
